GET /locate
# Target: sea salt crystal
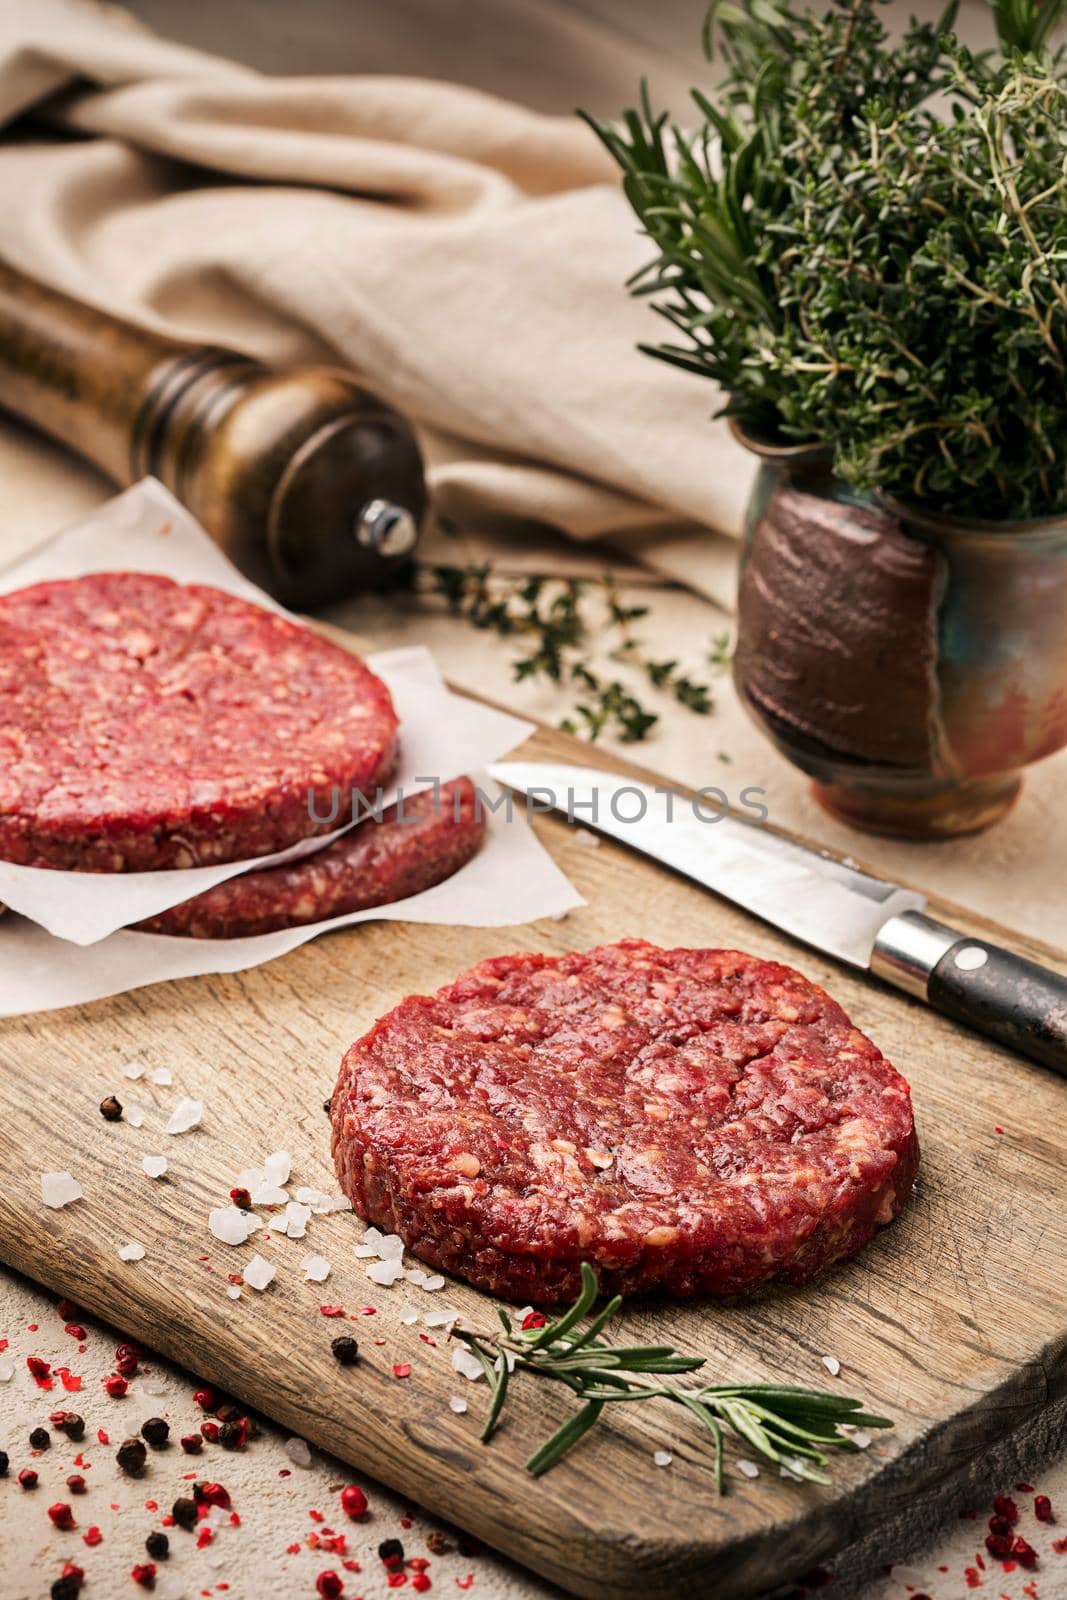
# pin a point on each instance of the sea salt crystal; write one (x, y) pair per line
(391, 1247)
(457, 1404)
(186, 1115)
(266, 1194)
(296, 1217)
(466, 1363)
(154, 1166)
(861, 1440)
(162, 1076)
(365, 1252)
(316, 1269)
(340, 1202)
(416, 1275)
(7, 1370)
(409, 1316)
(234, 1292)
(232, 1225)
(133, 1069)
(132, 1251)
(908, 1577)
(278, 1166)
(431, 1285)
(662, 1458)
(298, 1452)
(59, 1189)
(258, 1273)
(279, 1223)
(319, 1203)
(134, 1115)
(832, 1365)
(747, 1469)
(793, 1469)
(385, 1272)
(441, 1319)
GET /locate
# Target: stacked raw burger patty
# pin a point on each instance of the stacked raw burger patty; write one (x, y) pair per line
(146, 725)
(696, 1120)
(375, 864)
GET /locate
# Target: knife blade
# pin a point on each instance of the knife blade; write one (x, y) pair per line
(818, 899)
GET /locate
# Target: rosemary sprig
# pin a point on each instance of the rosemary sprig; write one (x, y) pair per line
(791, 1427)
(558, 621)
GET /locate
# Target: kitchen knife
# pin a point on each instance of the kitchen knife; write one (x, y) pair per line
(865, 921)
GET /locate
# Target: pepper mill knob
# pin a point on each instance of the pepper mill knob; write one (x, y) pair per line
(310, 483)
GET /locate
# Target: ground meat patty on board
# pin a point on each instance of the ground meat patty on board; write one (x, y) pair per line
(692, 1120)
(375, 864)
(148, 724)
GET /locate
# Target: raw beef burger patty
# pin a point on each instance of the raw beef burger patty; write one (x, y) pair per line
(145, 724)
(375, 864)
(695, 1120)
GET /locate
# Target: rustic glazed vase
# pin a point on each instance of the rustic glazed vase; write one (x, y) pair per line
(910, 664)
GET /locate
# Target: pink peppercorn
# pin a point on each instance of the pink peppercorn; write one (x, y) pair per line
(353, 1501)
(116, 1386)
(61, 1515)
(329, 1585)
(1043, 1508)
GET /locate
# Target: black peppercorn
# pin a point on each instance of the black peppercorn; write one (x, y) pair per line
(391, 1551)
(156, 1431)
(467, 1544)
(231, 1435)
(73, 1426)
(3, 1463)
(131, 1457)
(40, 1439)
(67, 1587)
(185, 1513)
(345, 1350)
(158, 1546)
(110, 1108)
(327, 1106)
(227, 1411)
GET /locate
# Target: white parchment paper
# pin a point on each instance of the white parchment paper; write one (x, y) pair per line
(511, 880)
(146, 530)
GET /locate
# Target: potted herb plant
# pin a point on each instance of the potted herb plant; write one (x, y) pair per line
(864, 244)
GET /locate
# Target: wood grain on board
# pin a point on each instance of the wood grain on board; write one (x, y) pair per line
(954, 1322)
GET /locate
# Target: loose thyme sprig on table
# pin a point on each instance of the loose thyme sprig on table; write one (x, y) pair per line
(792, 1427)
(558, 618)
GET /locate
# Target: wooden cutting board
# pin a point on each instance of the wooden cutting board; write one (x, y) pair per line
(954, 1322)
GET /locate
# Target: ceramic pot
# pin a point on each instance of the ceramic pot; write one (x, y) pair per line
(911, 664)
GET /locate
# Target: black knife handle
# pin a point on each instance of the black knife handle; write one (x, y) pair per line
(987, 988)
(1004, 996)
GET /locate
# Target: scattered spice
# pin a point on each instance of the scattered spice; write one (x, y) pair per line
(158, 1545)
(144, 1573)
(1043, 1508)
(131, 1457)
(212, 1494)
(39, 1369)
(241, 1199)
(73, 1426)
(437, 1542)
(127, 1356)
(353, 1501)
(60, 1515)
(156, 1431)
(232, 1435)
(5, 1462)
(192, 1443)
(184, 1512)
(329, 1585)
(401, 1369)
(116, 1386)
(110, 1108)
(391, 1551)
(40, 1439)
(66, 1587)
(344, 1350)
(92, 1536)
(28, 1478)
(76, 1331)
(76, 1483)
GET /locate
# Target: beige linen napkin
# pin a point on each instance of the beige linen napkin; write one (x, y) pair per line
(464, 254)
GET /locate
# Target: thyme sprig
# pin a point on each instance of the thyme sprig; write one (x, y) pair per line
(556, 621)
(791, 1427)
(863, 241)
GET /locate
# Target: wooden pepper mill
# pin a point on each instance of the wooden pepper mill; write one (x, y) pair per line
(312, 485)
